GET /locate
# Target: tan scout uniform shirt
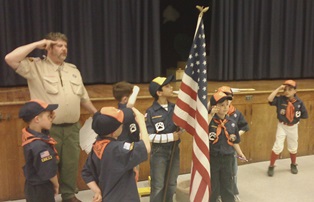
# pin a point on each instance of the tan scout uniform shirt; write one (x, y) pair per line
(64, 87)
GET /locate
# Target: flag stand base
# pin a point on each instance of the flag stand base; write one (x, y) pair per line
(182, 192)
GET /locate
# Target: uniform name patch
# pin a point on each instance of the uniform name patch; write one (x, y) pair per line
(45, 156)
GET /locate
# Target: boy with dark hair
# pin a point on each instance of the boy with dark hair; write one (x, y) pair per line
(290, 109)
(165, 138)
(243, 127)
(108, 170)
(224, 141)
(40, 155)
(126, 93)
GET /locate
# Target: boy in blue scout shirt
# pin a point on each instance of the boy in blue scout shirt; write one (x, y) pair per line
(108, 170)
(40, 155)
(290, 109)
(126, 93)
(165, 138)
(243, 127)
(224, 141)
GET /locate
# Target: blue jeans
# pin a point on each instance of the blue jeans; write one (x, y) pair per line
(159, 164)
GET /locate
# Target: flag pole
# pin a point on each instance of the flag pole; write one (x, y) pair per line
(168, 171)
(202, 11)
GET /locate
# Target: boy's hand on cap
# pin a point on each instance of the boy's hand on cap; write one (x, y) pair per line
(214, 110)
(281, 87)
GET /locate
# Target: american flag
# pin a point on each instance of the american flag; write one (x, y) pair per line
(191, 114)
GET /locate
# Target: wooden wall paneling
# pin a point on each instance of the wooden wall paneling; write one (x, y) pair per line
(263, 126)
(13, 158)
(186, 146)
(4, 172)
(306, 128)
(256, 143)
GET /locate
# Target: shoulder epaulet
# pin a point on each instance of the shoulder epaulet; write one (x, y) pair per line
(71, 65)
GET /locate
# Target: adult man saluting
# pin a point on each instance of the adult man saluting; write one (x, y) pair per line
(53, 80)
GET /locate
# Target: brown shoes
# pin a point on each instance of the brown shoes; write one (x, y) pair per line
(73, 199)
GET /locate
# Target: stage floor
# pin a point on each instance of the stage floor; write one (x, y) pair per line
(254, 184)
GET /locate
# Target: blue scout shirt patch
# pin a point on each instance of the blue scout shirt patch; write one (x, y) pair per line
(45, 156)
(128, 146)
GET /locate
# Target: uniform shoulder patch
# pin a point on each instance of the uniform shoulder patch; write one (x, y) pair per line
(45, 156)
(128, 146)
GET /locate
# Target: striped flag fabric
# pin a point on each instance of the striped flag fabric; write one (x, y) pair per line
(191, 114)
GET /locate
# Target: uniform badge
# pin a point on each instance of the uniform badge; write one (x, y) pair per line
(282, 112)
(45, 156)
(128, 146)
(159, 126)
(212, 136)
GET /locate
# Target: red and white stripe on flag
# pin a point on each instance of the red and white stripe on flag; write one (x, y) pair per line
(191, 114)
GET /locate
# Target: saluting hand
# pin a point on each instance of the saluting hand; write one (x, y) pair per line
(45, 44)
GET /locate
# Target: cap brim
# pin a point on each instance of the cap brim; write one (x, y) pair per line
(228, 97)
(168, 80)
(51, 107)
(222, 99)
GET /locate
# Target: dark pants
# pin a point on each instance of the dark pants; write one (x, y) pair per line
(68, 147)
(221, 171)
(39, 193)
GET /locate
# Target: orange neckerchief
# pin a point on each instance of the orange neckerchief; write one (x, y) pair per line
(99, 147)
(231, 110)
(28, 138)
(221, 125)
(290, 109)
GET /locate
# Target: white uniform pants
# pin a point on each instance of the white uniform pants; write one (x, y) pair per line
(289, 132)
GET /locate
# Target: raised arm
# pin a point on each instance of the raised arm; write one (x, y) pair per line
(275, 92)
(133, 97)
(140, 119)
(14, 58)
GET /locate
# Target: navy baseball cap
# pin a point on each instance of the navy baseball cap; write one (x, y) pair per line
(109, 119)
(157, 83)
(34, 107)
(219, 97)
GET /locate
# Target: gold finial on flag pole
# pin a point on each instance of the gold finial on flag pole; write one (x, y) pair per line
(202, 10)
